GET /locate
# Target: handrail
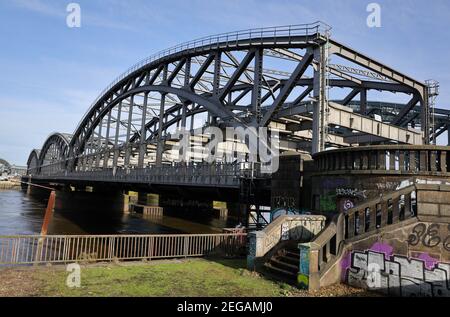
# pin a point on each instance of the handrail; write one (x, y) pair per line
(307, 29)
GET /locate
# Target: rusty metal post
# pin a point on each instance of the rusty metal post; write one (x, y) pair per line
(48, 213)
(44, 229)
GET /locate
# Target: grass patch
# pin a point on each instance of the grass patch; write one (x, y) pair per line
(191, 278)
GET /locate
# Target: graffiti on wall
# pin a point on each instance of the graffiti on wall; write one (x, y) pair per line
(303, 229)
(430, 236)
(327, 202)
(303, 272)
(380, 270)
(284, 201)
(351, 192)
(341, 199)
(274, 214)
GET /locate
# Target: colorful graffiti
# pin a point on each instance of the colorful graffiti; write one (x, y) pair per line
(341, 199)
(303, 272)
(378, 269)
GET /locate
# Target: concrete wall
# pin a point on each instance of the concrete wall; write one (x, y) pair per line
(291, 183)
(300, 228)
(413, 260)
(409, 258)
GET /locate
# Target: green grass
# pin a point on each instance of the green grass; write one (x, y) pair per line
(196, 277)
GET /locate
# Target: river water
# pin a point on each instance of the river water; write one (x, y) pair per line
(23, 214)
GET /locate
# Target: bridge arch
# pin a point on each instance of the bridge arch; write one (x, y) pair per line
(53, 155)
(267, 77)
(33, 162)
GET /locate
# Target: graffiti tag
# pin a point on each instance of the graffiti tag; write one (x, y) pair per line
(429, 236)
(398, 275)
(348, 192)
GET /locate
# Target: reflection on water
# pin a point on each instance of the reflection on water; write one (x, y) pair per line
(79, 213)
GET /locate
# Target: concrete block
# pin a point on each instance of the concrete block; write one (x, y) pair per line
(428, 209)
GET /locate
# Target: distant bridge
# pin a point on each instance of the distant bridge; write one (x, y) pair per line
(279, 77)
(6, 169)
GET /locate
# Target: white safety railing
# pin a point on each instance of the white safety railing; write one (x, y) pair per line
(19, 250)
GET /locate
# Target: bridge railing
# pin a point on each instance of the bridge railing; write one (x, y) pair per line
(17, 250)
(226, 174)
(404, 160)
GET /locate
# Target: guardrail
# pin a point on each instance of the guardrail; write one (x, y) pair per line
(18, 250)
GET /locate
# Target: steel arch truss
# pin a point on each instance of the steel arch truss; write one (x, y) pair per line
(53, 155)
(33, 163)
(279, 79)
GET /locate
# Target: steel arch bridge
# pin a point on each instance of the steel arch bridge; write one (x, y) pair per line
(295, 80)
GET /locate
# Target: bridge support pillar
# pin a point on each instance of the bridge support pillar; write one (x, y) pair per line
(221, 208)
(129, 198)
(147, 204)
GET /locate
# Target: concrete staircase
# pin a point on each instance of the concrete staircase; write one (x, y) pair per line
(283, 265)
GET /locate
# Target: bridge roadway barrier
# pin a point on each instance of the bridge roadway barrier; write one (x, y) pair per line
(223, 175)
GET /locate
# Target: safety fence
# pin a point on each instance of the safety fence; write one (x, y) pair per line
(17, 250)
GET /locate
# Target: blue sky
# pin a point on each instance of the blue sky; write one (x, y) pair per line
(50, 73)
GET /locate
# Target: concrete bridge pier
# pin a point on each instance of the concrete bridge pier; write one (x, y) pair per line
(142, 202)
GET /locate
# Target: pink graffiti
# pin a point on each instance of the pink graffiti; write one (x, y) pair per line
(430, 262)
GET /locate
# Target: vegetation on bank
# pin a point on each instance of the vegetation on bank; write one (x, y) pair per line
(189, 278)
(5, 185)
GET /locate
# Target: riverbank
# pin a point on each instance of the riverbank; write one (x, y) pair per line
(187, 278)
(9, 185)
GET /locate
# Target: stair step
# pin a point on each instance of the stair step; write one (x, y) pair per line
(289, 259)
(293, 253)
(279, 271)
(279, 263)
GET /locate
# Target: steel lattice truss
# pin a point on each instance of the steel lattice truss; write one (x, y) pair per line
(279, 78)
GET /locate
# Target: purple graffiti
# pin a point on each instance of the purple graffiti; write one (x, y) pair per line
(345, 265)
(430, 262)
(379, 247)
(383, 248)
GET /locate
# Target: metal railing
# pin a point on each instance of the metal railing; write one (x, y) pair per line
(386, 159)
(224, 174)
(19, 250)
(309, 29)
